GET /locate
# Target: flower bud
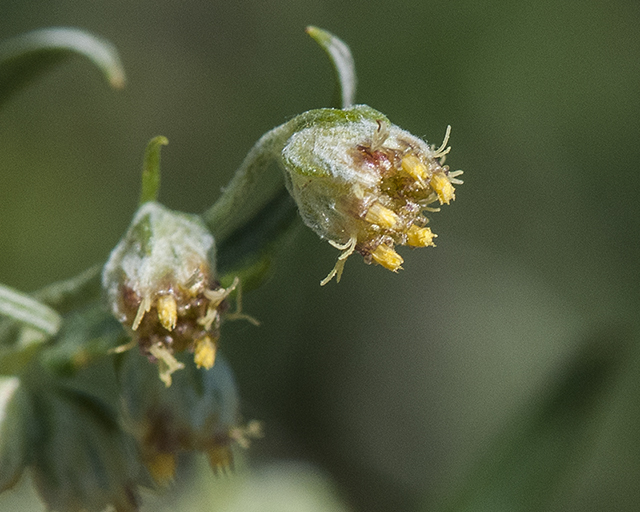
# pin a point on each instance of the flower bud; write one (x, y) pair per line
(199, 412)
(364, 184)
(160, 285)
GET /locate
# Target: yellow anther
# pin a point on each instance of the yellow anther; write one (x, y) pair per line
(220, 457)
(205, 353)
(145, 306)
(382, 216)
(162, 467)
(442, 186)
(412, 165)
(420, 237)
(387, 257)
(167, 311)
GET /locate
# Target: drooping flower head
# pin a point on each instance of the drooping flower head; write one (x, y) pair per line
(364, 184)
(198, 413)
(161, 285)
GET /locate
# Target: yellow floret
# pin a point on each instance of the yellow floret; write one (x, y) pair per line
(382, 216)
(387, 257)
(420, 237)
(167, 311)
(205, 353)
(443, 187)
(412, 165)
(220, 457)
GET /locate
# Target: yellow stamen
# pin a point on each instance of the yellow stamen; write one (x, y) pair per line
(387, 257)
(167, 363)
(205, 353)
(443, 187)
(162, 467)
(412, 165)
(347, 249)
(145, 305)
(167, 311)
(216, 297)
(420, 237)
(382, 216)
(443, 149)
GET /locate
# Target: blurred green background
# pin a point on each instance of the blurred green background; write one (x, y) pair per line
(395, 386)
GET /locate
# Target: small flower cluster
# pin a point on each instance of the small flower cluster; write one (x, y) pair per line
(358, 181)
(363, 184)
(160, 285)
(199, 412)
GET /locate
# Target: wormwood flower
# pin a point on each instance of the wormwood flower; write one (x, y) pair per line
(364, 184)
(199, 412)
(160, 285)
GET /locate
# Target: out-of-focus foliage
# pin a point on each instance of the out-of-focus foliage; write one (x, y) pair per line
(397, 385)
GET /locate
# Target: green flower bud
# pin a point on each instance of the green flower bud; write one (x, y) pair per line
(16, 422)
(199, 412)
(83, 462)
(363, 183)
(161, 286)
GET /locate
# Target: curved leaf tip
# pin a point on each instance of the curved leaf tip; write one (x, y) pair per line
(151, 169)
(342, 61)
(24, 57)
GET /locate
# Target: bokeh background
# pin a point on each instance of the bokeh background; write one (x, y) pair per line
(386, 391)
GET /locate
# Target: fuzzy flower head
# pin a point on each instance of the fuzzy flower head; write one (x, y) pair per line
(364, 184)
(198, 413)
(160, 285)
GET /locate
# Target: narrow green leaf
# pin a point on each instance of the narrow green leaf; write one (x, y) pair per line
(342, 62)
(151, 170)
(25, 309)
(254, 184)
(24, 57)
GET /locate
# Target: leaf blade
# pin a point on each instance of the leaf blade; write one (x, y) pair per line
(25, 309)
(26, 56)
(342, 61)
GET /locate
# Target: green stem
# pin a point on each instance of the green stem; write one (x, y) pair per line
(233, 208)
(252, 186)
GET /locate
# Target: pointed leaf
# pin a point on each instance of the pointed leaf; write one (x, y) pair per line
(25, 309)
(24, 57)
(151, 170)
(342, 62)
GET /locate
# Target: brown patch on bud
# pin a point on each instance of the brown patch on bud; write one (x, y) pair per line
(176, 319)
